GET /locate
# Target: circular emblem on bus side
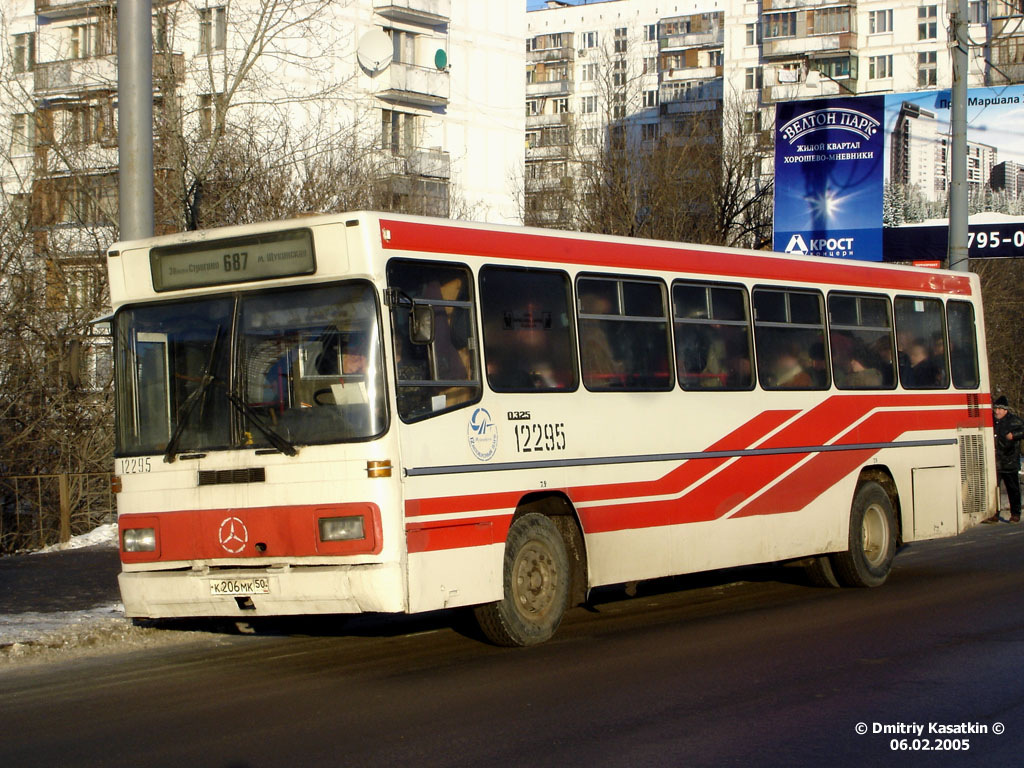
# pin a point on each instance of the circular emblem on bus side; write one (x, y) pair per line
(233, 535)
(483, 434)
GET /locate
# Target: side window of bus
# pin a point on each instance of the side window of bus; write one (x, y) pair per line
(921, 343)
(444, 373)
(712, 324)
(789, 333)
(861, 341)
(624, 336)
(527, 327)
(963, 344)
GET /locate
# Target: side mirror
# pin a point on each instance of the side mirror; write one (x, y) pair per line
(421, 324)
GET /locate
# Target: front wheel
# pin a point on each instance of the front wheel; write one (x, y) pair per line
(872, 541)
(536, 585)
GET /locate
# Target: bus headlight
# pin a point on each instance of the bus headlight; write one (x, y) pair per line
(138, 540)
(341, 528)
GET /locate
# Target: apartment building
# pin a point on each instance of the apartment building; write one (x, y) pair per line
(435, 86)
(703, 58)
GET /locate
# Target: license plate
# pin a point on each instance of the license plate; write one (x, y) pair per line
(259, 585)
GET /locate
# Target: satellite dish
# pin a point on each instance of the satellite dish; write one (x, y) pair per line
(375, 51)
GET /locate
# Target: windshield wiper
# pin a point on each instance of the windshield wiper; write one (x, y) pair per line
(185, 412)
(276, 439)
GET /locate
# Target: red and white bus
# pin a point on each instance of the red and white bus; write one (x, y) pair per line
(378, 413)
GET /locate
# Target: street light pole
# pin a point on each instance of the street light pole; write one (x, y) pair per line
(135, 118)
(957, 256)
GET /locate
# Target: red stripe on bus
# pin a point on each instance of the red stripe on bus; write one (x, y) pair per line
(680, 477)
(558, 249)
(815, 477)
(476, 532)
(729, 489)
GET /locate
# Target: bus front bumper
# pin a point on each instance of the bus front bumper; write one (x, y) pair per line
(263, 591)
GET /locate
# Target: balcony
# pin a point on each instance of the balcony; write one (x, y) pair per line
(714, 37)
(429, 162)
(410, 84)
(790, 5)
(56, 9)
(550, 152)
(168, 67)
(73, 76)
(794, 46)
(815, 86)
(424, 12)
(691, 73)
(551, 88)
(548, 121)
(565, 53)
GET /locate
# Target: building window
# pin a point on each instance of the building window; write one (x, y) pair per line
(880, 21)
(752, 78)
(834, 68)
(927, 22)
(403, 46)
(926, 73)
(620, 40)
(23, 133)
(751, 34)
(879, 67)
(651, 65)
(650, 33)
(780, 25)
(397, 132)
(560, 106)
(619, 73)
(24, 52)
(830, 21)
(590, 39)
(977, 12)
(715, 58)
(213, 29)
(649, 131)
(532, 108)
(211, 106)
(651, 98)
(588, 105)
(84, 40)
(588, 73)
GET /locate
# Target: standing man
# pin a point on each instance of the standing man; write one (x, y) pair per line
(1009, 431)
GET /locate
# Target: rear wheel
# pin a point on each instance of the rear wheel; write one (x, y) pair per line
(819, 572)
(869, 558)
(536, 585)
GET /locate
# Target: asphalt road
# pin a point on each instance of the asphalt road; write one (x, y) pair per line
(747, 667)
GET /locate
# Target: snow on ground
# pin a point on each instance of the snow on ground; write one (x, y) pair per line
(43, 636)
(104, 534)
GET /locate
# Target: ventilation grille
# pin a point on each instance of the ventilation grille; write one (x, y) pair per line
(972, 473)
(231, 476)
(973, 405)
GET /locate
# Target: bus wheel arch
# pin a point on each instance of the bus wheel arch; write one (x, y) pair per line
(874, 533)
(543, 573)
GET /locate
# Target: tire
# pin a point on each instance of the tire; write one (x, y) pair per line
(872, 539)
(820, 574)
(536, 578)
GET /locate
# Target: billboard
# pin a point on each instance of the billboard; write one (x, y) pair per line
(885, 196)
(828, 177)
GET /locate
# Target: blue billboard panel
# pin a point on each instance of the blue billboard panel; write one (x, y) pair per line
(829, 163)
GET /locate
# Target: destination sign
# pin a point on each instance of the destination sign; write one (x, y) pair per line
(235, 260)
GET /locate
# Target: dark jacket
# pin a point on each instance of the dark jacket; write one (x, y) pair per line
(1008, 451)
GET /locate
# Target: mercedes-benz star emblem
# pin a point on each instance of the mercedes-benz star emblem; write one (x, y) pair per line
(233, 535)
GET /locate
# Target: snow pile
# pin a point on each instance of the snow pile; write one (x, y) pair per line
(104, 534)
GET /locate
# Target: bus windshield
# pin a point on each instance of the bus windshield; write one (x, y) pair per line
(271, 370)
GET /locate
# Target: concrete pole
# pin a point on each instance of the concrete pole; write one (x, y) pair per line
(957, 252)
(135, 118)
